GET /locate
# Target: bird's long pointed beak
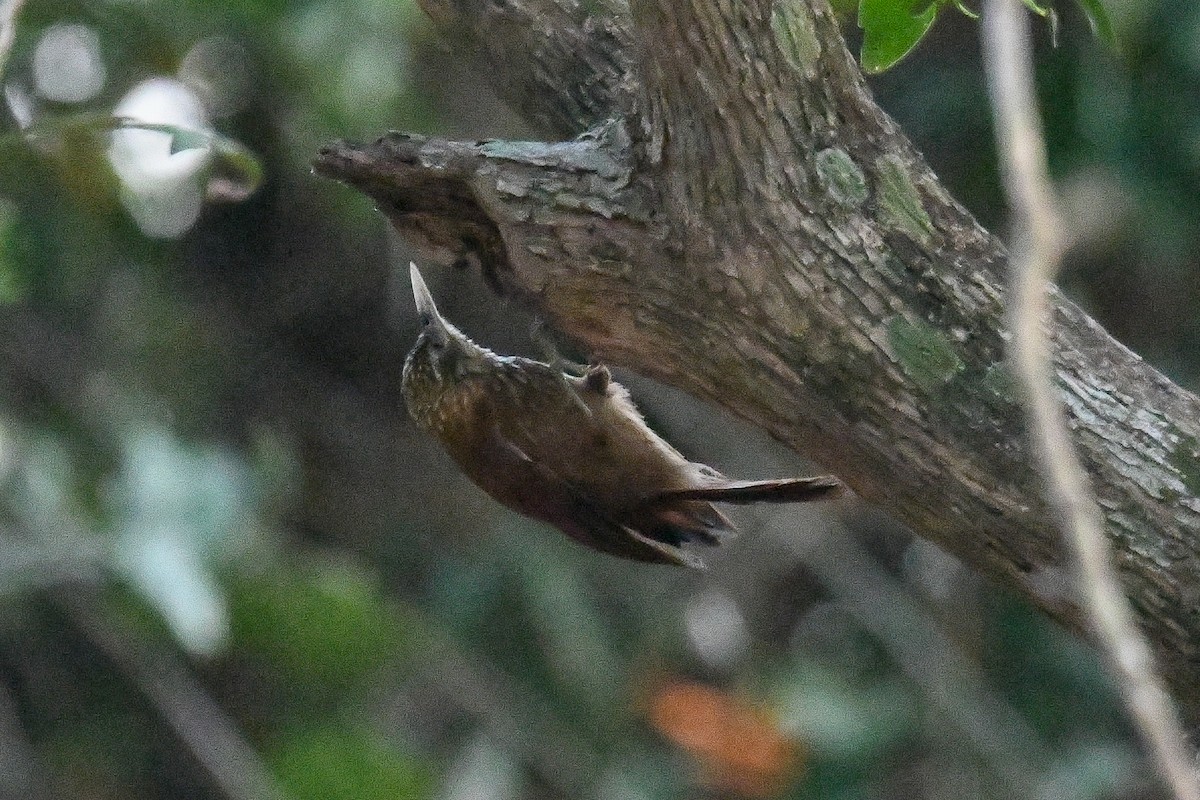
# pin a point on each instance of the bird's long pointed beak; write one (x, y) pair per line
(430, 318)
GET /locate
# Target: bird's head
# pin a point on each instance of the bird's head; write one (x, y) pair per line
(442, 355)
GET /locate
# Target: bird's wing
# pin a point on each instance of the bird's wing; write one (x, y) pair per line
(505, 471)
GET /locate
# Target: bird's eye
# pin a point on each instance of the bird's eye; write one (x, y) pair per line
(426, 320)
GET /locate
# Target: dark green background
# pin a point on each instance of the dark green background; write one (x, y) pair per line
(211, 497)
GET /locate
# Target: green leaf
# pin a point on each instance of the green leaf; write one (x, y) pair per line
(1098, 17)
(235, 172)
(967, 12)
(891, 30)
(1047, 13)
(186, 139)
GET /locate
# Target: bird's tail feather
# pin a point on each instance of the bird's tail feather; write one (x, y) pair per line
(780, 490)
(687, 521)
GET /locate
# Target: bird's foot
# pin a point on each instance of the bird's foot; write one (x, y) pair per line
(564, 369)
(539, 332)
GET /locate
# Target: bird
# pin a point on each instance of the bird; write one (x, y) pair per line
(564, 444)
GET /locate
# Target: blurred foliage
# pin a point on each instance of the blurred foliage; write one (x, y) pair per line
(229, 567)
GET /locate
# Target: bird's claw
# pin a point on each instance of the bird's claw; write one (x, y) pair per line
(539, 332)
(564, 369)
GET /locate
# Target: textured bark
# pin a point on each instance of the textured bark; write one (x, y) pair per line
(749, 226)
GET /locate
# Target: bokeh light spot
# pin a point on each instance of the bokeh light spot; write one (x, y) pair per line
(67, 65)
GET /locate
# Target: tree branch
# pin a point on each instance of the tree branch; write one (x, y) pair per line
(565, 64)
(755, 230)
